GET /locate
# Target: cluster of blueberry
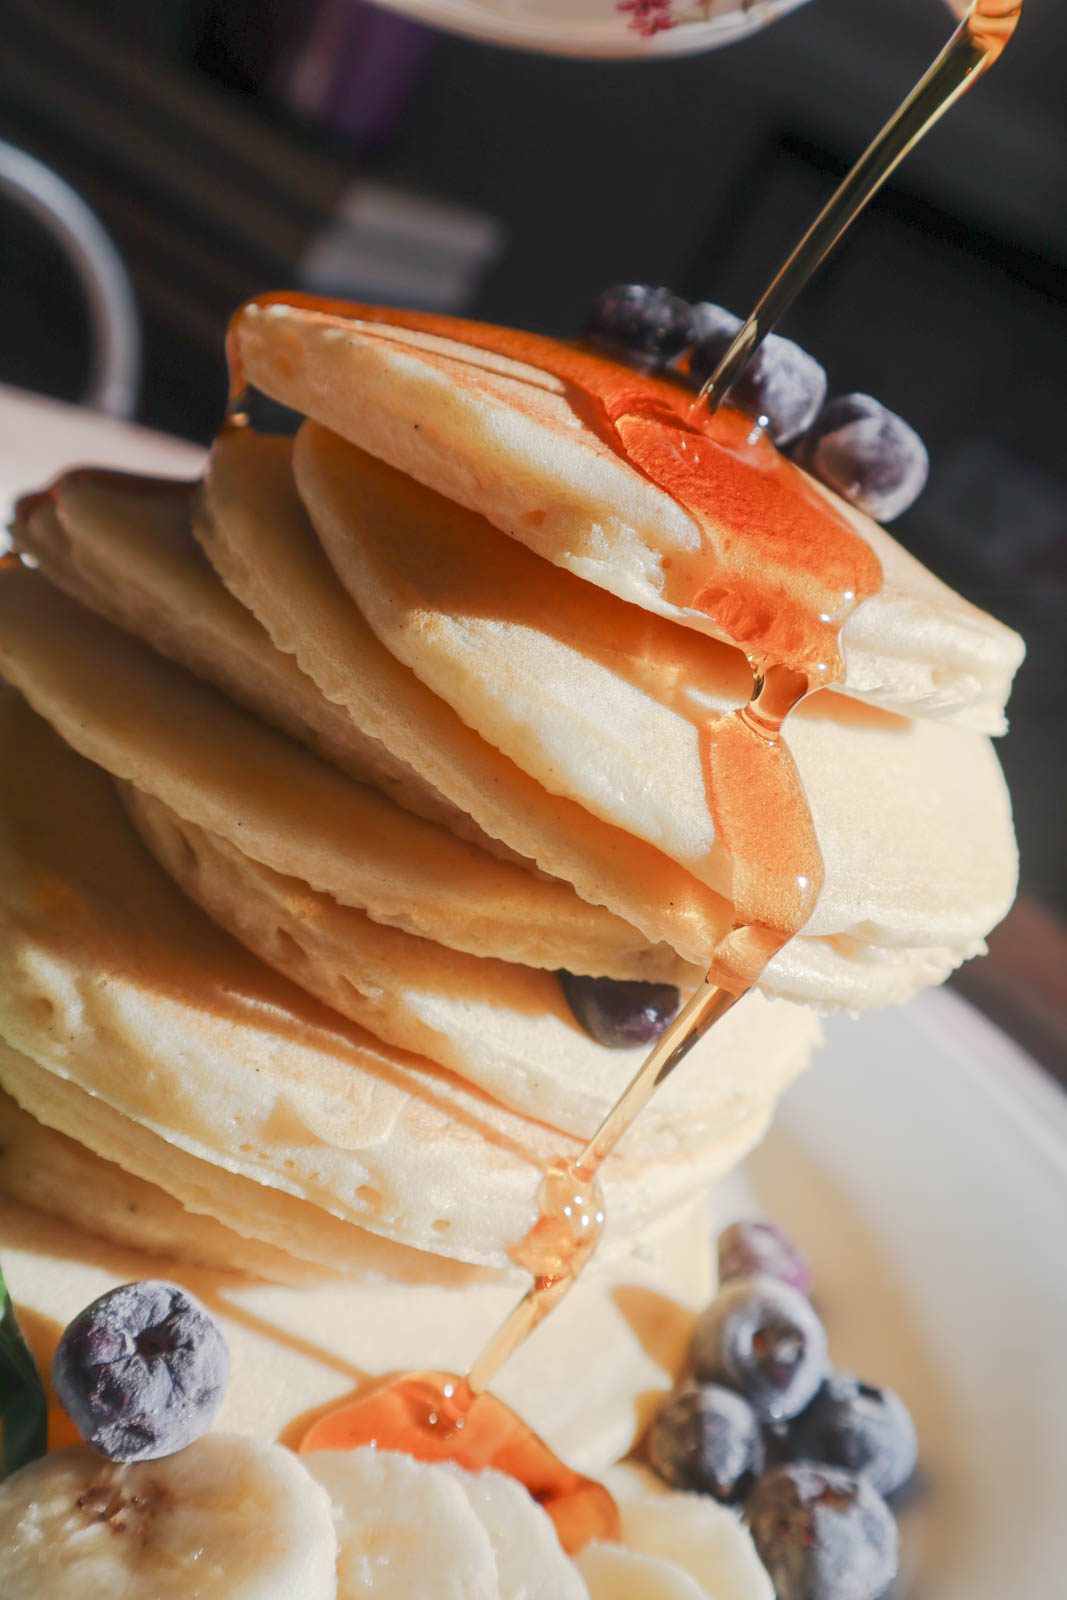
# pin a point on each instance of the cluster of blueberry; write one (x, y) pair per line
(142, 1371)
(763, 1420)
(852, 443)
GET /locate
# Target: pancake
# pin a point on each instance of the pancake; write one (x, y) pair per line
(506, 1029)
(256, 532)
(289, 1237)
(294, 1351)
(122, 546)
(115, 982)
(145, 720)
(501, 436)
(48, 1172)
(604, 703)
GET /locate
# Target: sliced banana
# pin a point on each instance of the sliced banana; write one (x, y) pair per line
(612, 1572)
(708, 1541)
(530, 1563)
(406, 1530)
(228, 1518)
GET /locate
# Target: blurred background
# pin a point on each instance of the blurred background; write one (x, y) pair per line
(229, 146)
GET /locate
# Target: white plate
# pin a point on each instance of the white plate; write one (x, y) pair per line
(923, 1165)
(598, 28)
(40, 437)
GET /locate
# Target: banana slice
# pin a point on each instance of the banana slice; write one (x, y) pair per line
(612, 1572)
(228, 1518)
(530, 1563)
(691, 1531)
(406, 1530)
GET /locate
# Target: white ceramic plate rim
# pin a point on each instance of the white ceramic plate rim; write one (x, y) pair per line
(923, 1164)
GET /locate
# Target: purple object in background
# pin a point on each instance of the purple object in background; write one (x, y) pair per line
(352, 66)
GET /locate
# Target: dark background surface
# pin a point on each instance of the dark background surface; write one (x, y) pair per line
(216, 140)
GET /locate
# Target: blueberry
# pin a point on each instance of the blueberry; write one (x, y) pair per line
(781, 382)
(649, 323)
(142, 1371)
(868, 454)
(619, 1014)
(862, 1428)
(706, 1438)
(748, 1248)
(822, 1534)
(761, 1337)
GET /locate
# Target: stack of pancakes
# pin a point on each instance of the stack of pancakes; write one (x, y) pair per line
(318, 773)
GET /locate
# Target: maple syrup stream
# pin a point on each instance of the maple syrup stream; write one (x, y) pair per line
(980, 38)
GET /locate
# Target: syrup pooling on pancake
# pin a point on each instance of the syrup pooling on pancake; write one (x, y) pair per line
(778, 568)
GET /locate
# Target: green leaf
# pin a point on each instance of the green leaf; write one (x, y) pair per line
(23, 1407)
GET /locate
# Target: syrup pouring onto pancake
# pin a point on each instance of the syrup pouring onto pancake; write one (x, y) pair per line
(779, 571)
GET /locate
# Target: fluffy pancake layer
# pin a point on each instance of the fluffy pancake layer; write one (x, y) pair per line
(60, 1176)
(117, 985)
(604, 703)
(505, 1028)
(145, 720)
(255, 529)
(123, 546)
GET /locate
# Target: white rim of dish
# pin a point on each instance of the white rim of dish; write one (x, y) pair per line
(612, 37)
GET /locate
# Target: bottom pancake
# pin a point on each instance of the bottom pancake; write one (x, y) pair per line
(588, 1381)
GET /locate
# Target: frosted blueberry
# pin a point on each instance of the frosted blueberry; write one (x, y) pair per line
(822, 1534)
(620, 1014)
(706, 1438)
(142, 1371)
(859, 1427)
(637, 319)
(747, 1248)
(782, 382)
(868, 454)
(761, 1337)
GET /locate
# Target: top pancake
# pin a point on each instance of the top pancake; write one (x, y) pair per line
(504, 438)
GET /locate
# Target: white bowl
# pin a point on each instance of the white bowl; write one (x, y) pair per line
(604, 28)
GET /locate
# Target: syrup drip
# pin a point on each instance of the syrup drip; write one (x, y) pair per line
(778, 572)
(435, 1416)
